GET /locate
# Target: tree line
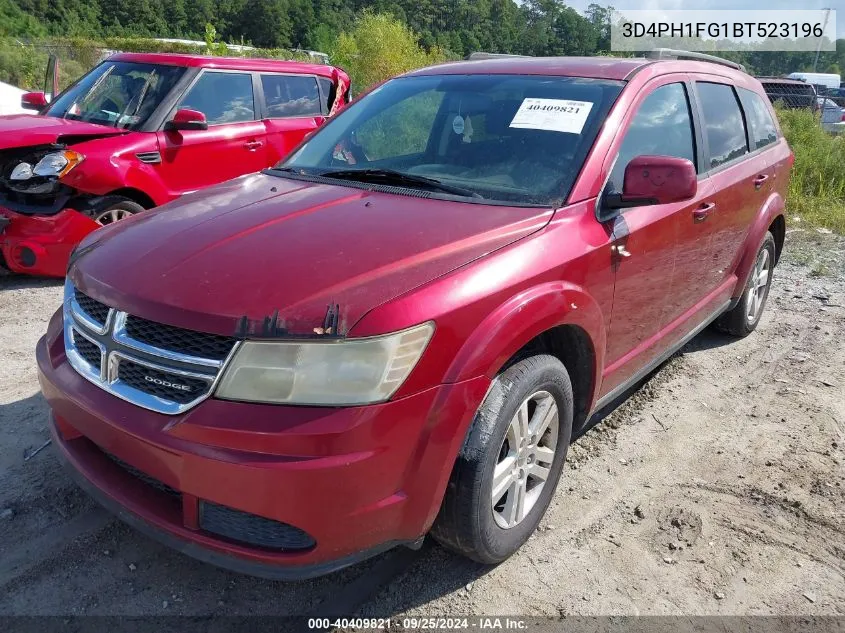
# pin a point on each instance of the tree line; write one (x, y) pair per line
(458, 27)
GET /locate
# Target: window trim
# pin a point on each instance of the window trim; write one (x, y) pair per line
(194, 81)
(747, 119)
(716, 79)
(265, 114)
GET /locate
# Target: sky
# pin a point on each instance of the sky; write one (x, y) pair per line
(838, 5)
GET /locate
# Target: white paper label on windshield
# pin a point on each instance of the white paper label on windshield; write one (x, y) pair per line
(558, 115)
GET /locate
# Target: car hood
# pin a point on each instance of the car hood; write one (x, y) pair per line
(229, 258)
(24, 130)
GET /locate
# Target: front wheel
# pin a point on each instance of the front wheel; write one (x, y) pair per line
(114, 209)
(743, 319)
(509, 466)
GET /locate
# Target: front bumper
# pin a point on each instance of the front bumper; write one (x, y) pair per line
(356, 480)
(41, 244)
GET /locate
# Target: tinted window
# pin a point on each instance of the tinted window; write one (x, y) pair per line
(222, 97)
(291, 95)
(761, 126)
(723, 124)
(509, 138)
(661, 127)
(329, 93)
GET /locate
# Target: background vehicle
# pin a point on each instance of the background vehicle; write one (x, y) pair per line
(10, 99)
(790, 93)
(826, 80)
(397, 330)
(832, 115)
(140, 130)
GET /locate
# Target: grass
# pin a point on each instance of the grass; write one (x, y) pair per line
(817, 186)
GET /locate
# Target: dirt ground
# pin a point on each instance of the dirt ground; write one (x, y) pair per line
(717, 488)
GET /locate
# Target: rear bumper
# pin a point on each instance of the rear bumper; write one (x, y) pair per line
(39, 244)
(357, 480)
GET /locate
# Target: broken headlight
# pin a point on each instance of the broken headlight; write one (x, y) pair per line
(329, 373)
(57, 163)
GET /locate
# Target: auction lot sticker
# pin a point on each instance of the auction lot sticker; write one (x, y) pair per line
(557, 115)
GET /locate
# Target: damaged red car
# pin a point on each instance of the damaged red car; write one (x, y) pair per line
(398, 330)
(140, 130)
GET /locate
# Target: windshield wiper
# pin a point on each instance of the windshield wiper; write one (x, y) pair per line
(393, 177)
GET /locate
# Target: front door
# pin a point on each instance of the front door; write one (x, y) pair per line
(645, 238)
(234, 144)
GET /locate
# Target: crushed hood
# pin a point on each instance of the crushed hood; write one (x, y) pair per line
(261, 245)
(24, 130)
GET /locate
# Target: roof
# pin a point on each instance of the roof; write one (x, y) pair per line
(226, 63)
(596, 67)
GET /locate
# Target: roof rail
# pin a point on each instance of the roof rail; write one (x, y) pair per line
(481, 55)
(669, 53)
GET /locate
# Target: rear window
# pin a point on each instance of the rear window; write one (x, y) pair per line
(724, 127)
(291, 95)
(761, 127)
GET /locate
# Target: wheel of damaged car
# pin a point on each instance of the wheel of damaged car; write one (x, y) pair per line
(115, 209)
(510, 463)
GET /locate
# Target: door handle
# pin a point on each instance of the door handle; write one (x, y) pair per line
(760, 180)
(253, 145)
(702, 212)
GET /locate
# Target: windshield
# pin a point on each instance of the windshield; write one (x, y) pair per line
(495, 138)
(117, 94)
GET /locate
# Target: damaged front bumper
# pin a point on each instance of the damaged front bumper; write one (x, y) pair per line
(41, 244)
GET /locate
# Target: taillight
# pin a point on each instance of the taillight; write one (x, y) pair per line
(843, 117)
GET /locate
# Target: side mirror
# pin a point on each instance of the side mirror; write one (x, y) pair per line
(655, 180)
(186, 119)
(33, 101)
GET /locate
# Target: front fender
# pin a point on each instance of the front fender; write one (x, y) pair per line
(769, 212)
(523, 317)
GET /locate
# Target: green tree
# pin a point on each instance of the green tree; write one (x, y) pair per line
(378, 47)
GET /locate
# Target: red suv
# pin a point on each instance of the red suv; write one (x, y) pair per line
(140, 130)
(398, 329)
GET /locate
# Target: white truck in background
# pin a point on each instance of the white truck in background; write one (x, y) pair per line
(10, 99)
(828, 80)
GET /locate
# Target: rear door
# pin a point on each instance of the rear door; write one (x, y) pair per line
(742, 178)
(234, 144)
(293, 106)
(645, 238)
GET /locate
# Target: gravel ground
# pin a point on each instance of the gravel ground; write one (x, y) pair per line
(717, 488)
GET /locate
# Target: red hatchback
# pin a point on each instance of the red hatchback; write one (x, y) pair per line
(140, 130)
(397, 330)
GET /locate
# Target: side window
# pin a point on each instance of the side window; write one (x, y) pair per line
(402, 129)
(723, 124)
(222, 97)
(761, 126)
(291, 95)
(329, 93)
(662, 126)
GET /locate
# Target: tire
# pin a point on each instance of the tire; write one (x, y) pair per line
(470, 522)
(114, 208)
(739, 321)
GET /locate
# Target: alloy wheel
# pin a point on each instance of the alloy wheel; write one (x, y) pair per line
(525, 459)
(758, 285)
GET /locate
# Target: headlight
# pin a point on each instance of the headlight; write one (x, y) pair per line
(345, 372)
(58, 163)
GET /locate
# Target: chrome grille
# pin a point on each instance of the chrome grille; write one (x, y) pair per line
(156, 366)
